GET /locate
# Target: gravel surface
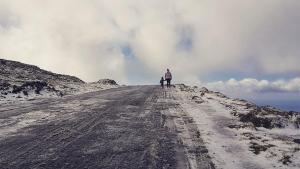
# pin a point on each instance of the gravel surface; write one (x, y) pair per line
(127, 127)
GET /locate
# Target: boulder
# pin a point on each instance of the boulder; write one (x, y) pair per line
(107, 82)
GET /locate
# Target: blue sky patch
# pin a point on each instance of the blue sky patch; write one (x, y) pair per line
(127, 52)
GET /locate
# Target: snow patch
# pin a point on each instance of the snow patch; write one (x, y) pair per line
(10, 126)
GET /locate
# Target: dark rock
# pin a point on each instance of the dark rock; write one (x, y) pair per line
(182, 86)
(220, 95)
(297, 122)
(233, 126)
(195, 97)
(241, 100)
(107, 82)
(199, 101)
(257, 148)
(297, 141)
(2, 62)
(251, 136)
(258, 119)
(286, 159)
(198, 134)
(237, 126)
(25, 93)
(296, 149)
(37, 86)
(4, 86)
(204, 90)
(234, 113)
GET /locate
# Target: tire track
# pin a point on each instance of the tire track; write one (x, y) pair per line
(117, 133)
(129, 127)
(189, 138)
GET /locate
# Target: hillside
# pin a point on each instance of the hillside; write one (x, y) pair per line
(19, 81)
(239, 134)
(18, 73)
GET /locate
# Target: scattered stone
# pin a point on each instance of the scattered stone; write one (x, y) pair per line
(37, 86)
(256, 148)
(25, 93)
(296, 149)
(107, 82)
(220, 95)
(195, 97)
(204, 90)
(234, 113)
(286, 159)
(198, 134)
(4, 86)
(297, 141)
(297, 123)
(267, 122)
(199, 101)
(238, 126)
(251, 136)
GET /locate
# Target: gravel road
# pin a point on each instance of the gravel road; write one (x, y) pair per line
(127, 128)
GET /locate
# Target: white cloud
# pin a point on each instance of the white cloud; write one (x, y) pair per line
(249, 85)
(85, 38)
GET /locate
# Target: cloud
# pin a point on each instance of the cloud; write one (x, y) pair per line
(249, 85)
(135, 41)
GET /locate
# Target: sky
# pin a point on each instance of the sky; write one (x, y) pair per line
(221, 44)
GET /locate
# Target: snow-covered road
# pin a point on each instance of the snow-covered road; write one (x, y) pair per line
(127, 127)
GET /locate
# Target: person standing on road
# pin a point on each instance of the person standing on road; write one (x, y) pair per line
(162, 80)
(168, 77)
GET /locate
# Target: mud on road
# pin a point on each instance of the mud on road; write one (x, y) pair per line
(127, 127)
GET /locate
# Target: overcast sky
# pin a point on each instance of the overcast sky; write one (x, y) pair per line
(223, 43)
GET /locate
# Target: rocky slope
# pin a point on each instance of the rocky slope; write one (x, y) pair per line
(248, 113)
(18, 73)
(19, 81)
(240, 134)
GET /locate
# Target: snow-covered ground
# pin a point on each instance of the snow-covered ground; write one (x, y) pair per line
(15, 123)
(57, 91)
(239, 134)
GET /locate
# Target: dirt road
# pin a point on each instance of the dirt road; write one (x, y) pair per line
(127, 127)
